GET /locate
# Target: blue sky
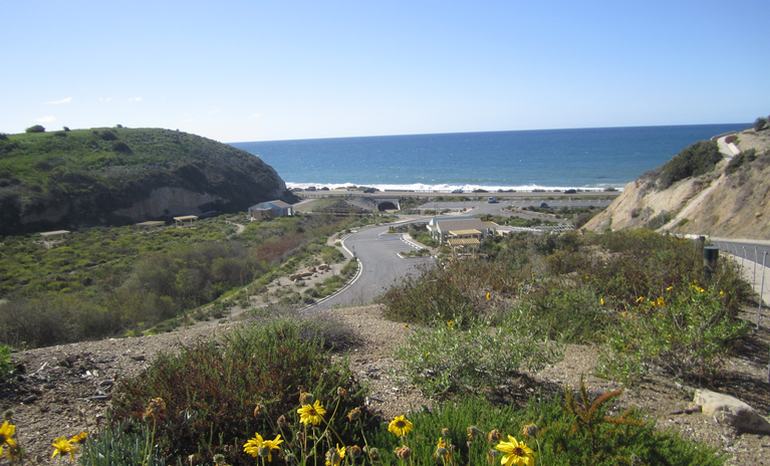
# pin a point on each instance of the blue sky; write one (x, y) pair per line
(252, 70)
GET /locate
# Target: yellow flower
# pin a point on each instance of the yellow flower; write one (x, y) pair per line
(450, 323)
(601, 301)
(258, 446)
(721, 293)
(489, 295)
(7, 431)
(335, 456)
(697, 288)
(79, 438)
(400, 426)
(62, 446)
(443, 451)
(311, 414)
(640, 299)
(660, 302)
(515, 453)
(670, 287)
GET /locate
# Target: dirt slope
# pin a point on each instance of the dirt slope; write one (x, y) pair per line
(732, 202)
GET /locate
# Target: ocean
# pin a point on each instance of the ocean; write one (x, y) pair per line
(586, 158)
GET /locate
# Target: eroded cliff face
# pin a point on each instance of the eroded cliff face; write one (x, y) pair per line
(169, 201)
(731, 201)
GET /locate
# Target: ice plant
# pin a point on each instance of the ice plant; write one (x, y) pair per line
(515, 453)
(7, 431)
(400, 426)
(62, 446)
(311, 414)
(258, 447)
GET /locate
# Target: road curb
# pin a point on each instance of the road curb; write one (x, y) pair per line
(350, 283)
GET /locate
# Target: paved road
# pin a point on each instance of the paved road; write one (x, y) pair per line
(377, 250)
(750, 251)
(482, 207)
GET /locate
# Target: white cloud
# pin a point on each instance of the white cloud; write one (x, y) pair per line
(104, 100)
(46, 119)
(255, 116)
(135, 99)
(64, 101)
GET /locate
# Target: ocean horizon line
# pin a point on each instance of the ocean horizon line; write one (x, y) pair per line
(492, 131)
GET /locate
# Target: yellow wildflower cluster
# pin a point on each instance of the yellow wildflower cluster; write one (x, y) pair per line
(68, 446)
(8, 445)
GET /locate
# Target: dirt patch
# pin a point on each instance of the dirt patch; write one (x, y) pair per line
(66, 388)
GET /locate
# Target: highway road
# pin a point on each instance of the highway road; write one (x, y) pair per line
(755, 252)
(378, 252)
(482, 207)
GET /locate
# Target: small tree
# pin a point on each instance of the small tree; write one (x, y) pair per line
(760, 124)
(65, 128)
(36, 129)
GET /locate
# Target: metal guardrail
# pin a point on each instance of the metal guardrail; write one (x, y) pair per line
(756, 256)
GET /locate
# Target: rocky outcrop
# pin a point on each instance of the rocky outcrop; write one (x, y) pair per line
(731, 411)
(732, 200)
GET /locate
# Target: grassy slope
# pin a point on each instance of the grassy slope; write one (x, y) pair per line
(90, 173)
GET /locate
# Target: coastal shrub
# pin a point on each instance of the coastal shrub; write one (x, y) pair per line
(760, 124)
(35, 129)
(108, 135)
(434, 296)
(739, 160)
(659, 220)
(447, 359)
(217, 394)
(561, 311)
(695, 160)
(549, 427)
(686, 332)
(121, 147)
(122, 443)
(6, 366)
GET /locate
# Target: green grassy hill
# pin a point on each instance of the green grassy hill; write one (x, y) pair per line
(106, 176)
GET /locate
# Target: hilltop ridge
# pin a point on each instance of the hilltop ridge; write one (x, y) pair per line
(705, 189)
(114, 176)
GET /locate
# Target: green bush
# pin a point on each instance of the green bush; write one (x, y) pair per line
(739, 160)
(6, 366)
(124, 443)
(448, 360)
(760, 124)
(211, 389)
(559, 438)
(695, 160)
(561, 311)
(685, 332)
(35, 129)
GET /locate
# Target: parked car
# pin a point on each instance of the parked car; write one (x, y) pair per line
(492, 200)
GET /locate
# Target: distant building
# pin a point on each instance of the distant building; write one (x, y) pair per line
(270, 209)
(185, 220)
(441, 228)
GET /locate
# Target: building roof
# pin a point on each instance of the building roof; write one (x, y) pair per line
(463, 242)
(466, 223)
(267, 204)
(151, 223)
(46, 234)
(464, 232)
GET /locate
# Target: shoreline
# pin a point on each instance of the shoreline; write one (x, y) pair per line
(447, 188)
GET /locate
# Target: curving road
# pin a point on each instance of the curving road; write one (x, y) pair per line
(378, 252)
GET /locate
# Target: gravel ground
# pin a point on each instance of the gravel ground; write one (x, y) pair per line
(66, 388)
